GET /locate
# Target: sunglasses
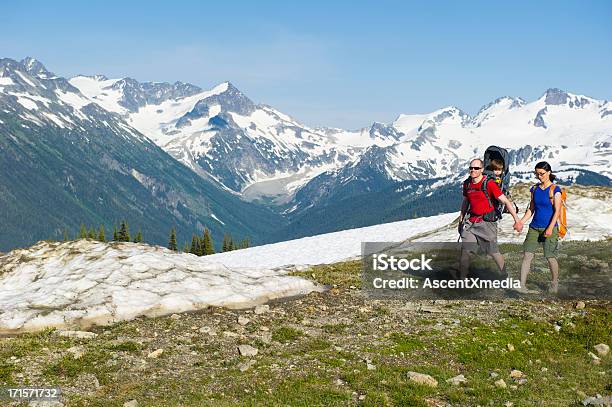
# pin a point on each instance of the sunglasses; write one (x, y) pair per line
(475, 168)
(539, 174)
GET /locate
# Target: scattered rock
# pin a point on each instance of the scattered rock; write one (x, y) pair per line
(602, 349)
(422, 378)
(516, 374)
(598, 400)
(500, 383)
(508, 404)
(77, 334)
(457, 380)
(262, 309)
(131, 403)
(266, 338)
(247, 350)
(155, 354)
(175, 316)
(493, 375)
(580, 305)
(208, 330)
(230, 334)
(431, 309)
(544, 369)
(246, 365)
(243, 320)
(510, 347)
(45, 403)
(76, 351)
(370, 366)
(593, 356)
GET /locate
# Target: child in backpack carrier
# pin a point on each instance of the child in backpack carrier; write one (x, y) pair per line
(497, 166)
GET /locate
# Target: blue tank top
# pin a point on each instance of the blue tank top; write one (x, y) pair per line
(543, 208)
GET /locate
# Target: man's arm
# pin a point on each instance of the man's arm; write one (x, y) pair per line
(503, 199)
(464, 206)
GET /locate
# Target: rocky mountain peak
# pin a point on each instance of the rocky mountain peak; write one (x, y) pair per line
(35, 68)
(555, 96)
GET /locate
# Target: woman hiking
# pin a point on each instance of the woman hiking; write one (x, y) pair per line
(543, 228)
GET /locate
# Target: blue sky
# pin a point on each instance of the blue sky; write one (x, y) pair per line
(341, 63)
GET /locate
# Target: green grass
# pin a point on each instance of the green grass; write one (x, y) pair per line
(286, 334)
(127, 346)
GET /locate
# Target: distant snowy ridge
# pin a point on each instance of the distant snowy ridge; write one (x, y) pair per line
(258, 151)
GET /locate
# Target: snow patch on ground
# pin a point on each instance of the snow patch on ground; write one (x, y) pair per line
(330, 247)
(83, 283)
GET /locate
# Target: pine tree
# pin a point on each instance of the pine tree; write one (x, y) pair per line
(124, 232)
(83, 232)
(138, 237)
(65, 235)
(207, 244)
(194, 245)
(115, 234)
(92, 233)
(101, 236)
(231, 244)
(244, 243)
(172, 242)
(225, 247)
(186, 248)
(200, 248)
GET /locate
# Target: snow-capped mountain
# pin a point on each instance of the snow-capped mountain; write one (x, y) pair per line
(258, 151)
(65, 160)
(249, 148)
(572, 132)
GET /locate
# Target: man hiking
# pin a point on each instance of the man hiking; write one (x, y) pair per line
(480, 228)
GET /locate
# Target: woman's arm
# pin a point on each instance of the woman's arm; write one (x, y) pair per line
(528, 211)
(555, 217)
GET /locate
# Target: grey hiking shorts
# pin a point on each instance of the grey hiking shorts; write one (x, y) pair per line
(479, 234)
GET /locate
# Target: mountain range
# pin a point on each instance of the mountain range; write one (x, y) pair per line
(247, 168)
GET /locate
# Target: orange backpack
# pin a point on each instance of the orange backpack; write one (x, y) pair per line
(563, 215)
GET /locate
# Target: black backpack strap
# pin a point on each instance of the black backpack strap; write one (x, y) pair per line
(466, 184)
(483, 188)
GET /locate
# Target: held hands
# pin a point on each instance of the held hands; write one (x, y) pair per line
(518, 226)
(548, 232)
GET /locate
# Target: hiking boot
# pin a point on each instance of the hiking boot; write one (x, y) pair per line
(525, 290)
(503, 274)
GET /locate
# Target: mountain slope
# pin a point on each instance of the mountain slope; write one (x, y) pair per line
(65, 161)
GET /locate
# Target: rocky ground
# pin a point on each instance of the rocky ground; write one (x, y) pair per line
(337, 348)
